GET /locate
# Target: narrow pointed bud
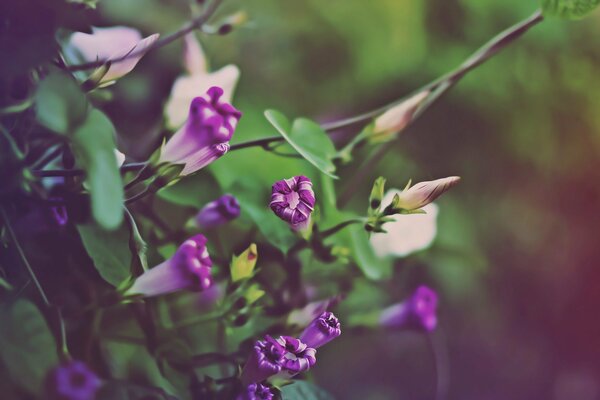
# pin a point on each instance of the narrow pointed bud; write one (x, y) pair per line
(205, 135)
(424, 193)
(393, 121)
(417, 312)
(72, 381)
(242, 266)
(293, 200)
(220, 211)
(321, 330)
(264, 361)
(188, 269)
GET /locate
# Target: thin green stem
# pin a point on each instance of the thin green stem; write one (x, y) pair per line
(335, 229)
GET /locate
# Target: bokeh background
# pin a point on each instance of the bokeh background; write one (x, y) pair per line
(516, 259)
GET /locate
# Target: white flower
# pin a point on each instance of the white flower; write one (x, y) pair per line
(112, 44)
(407, 233)
(197, 80)
(423, 193)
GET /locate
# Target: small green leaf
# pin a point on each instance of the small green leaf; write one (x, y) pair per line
(242, 266)
(94, 147)
(60, 104)
(308, 139)
(568, 9)
(27, 348)
(302, 390)
(372, 266)
(109, 250)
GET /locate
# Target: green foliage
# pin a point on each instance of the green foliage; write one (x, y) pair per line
(60, 104)
(308, 139)
(109, 251)
(568, 9)
(194, 190)
(302, 390)
(372, 266)
(27, 348)
(94, 147)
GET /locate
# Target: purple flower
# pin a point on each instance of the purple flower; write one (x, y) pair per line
(189, 268)
(217, 212)
(72, 381)
(293, 201)
(256, 391)
(298, 356)
(59, 215)
(265, 360)
(205, 135)
(321, 330)
(417, 312)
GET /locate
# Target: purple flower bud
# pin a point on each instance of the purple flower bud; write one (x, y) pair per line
(265, 360)
(321, 330)
(417, 312)
(205, 135)
(298, 356)
(72, 381)
(189, 268)
(256, 391)
(293, 201)
(220, 211)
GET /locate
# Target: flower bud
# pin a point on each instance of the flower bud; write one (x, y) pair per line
(299, 357)
(256, 391)
(424, 193)
(293, 201)
(217, 212)
(390, 123)
(242, 266)
(72, 381)
(417, 312)
(321, 331)
(264, 361)
(205, 135)
(189, 268)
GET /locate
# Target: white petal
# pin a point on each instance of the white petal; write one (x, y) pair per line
(194, 59)
(120, 68)
(104, 42)
(120, 157)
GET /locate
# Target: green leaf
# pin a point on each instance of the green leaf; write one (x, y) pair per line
(302, 390)
(94, 146)
(109, 250)
(27, 348)
(308, 139)
(568, 9)
(372, 266)
(194, 190)
(60, 104)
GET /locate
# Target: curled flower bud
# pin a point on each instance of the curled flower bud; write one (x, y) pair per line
(293, 201)
(264, 361)
(72, 381)
(417, 312)
(394, 120)
(189, 268)
(321, 330)
(217, 212)
(205, 135)
(256, 391)
(298, 356)
(424, 193)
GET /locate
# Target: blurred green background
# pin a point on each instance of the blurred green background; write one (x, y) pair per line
(517, 254)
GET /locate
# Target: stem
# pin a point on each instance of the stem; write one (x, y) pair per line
(79, 172)
(46, 158)
(340, 226)
(168, 39)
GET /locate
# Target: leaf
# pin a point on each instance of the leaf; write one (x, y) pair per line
(109, 250)
(192, 190)
(60, 104)
(94, 148)
(308, 139)
(302, 390)
(27, 348)
(568, 9)
(373, 267)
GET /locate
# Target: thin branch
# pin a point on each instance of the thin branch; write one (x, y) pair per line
(45, 173)
(168, 39)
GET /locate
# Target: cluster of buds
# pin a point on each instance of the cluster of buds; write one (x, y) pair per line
(411, 200)
(287, 356)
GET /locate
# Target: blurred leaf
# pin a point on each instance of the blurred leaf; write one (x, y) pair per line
(308, 139)
(242, 266)
(372, 266)
(95, 149)
(109, 250)
(60, 104)
(194, 190)
(302, 390)
(27, 347)
(128, 391)
(568, 9)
